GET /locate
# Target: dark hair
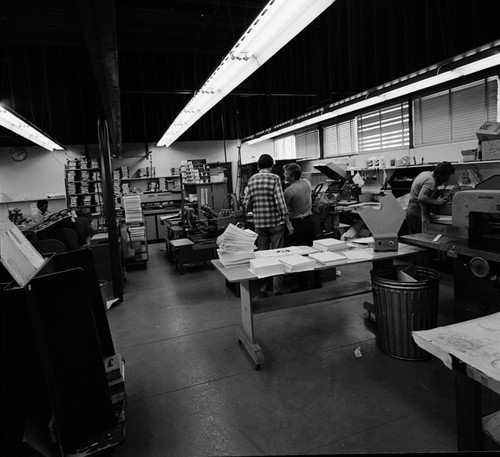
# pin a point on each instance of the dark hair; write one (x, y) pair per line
(444, 169)
(265, 161)
(294, 169)
(41, 203)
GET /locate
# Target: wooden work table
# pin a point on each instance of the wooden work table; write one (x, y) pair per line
(472, 350)
(250, 306)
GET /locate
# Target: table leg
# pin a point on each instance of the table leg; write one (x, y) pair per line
(245, 331)
(468, 405)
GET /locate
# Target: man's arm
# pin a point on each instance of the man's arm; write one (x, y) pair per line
(425, 197)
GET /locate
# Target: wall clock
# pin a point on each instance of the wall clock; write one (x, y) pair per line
(18, 154)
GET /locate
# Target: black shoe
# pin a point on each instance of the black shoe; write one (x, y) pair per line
(262, 294)
(278, 293)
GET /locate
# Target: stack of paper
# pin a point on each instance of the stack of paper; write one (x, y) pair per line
(236, 246)
(283, 252)
(295, 263)
(328, 258)
(266, 267)
(330, 244)
(133, 209)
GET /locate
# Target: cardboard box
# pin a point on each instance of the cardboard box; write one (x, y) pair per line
(488, 131)
(490, 150)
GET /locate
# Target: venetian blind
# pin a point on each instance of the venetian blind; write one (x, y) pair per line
(455, 114)
(340, 139)
(284, 148)
(385, 128)
(307, 145)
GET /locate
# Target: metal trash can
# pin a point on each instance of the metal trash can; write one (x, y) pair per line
(402, 307)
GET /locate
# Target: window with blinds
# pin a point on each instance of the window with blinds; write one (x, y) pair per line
(455, 114)
(385, 128)
(340, 139)
(284, 148)
(307, 145)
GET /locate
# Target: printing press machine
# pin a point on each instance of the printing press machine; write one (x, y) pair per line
(471, 239)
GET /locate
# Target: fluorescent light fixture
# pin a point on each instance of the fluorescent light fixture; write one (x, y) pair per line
(14, 122)
(275, 26)
(366, 101)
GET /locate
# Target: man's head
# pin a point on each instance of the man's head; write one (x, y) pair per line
(443, 171)
(292, 171)
(265, 161)
(42, 205)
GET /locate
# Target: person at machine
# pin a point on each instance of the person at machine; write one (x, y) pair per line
(264, 197)
(422, 198)
(298, 198)
(42, 211)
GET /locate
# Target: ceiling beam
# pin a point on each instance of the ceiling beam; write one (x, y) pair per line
(98, 22)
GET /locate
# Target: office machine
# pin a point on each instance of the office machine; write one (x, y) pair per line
(476, 217)
(472, 243)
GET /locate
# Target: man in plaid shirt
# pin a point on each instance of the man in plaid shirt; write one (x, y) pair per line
(264, 197)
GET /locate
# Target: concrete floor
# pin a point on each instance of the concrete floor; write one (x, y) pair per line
(192, 390)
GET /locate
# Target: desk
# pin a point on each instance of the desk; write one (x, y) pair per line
(472, 350)
(184, 251)
(243, 276)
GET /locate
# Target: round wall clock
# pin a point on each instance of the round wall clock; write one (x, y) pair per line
(18, 154)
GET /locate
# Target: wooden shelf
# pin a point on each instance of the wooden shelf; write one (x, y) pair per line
(149, 178)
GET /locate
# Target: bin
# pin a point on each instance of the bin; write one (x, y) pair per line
(402, 307)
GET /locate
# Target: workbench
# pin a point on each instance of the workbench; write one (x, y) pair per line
(250, 307)
(184, 250)
(472, 350)
(474, 296)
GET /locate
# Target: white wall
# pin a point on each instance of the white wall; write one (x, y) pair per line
(42, 173)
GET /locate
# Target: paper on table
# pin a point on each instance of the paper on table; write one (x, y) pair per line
(358, 254)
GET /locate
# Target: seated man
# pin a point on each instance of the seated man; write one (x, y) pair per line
(41, 213)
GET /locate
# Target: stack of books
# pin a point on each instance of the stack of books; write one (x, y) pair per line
(263, 268)
(295, 263)
(236, 246)
(330, 244)
(328, 258)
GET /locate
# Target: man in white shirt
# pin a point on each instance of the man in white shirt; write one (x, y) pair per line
(41, 213)
(421, 195)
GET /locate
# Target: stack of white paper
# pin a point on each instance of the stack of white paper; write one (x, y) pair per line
(359, 254)
(266, 267)
(282, 252)
(328, 258)
(329, 244)
(295, 263)
(232, 259)
(133, 209)
(236, 246)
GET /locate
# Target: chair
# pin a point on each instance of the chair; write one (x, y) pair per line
(50, 245)
(70, 239)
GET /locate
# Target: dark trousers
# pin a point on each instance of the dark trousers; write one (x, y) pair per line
(271, 238)
(303, 235)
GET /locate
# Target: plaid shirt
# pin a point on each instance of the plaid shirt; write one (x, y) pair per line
(264, 197)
